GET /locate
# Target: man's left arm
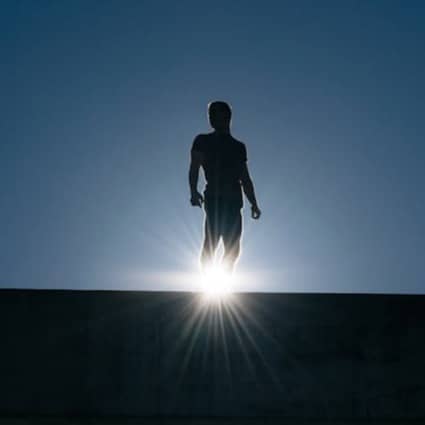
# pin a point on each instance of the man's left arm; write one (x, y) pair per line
(248, 187)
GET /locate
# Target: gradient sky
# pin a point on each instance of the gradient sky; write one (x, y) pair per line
(101, 101)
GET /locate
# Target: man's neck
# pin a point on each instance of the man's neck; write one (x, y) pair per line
(222, 130)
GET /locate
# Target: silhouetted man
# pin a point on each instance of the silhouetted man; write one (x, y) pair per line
(224, 162)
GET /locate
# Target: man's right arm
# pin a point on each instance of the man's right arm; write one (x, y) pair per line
(196, 158)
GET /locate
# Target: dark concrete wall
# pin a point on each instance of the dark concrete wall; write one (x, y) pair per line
(147, 353)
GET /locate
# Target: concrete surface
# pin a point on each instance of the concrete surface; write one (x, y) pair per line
(306, 356)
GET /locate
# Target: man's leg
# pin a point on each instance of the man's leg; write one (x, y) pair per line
(211, 235)
(232, 237)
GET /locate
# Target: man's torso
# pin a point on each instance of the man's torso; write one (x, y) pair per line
(223, 161)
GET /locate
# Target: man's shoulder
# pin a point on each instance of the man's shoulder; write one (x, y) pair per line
(240, 145)
(236, 141)
(202, 136)
(199, 141)
(202, 139)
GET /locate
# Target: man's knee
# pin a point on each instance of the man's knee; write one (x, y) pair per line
(232, 251)
(232, 244)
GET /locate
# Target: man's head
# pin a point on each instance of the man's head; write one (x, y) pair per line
(219, 114)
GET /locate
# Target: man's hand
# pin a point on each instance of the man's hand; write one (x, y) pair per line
(255, 212)
(196, 199)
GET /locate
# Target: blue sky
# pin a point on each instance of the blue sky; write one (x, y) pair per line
(101, 101)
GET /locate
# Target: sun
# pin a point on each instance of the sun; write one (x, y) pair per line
(216, 283)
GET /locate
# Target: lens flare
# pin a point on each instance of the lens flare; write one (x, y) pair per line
(216, 283)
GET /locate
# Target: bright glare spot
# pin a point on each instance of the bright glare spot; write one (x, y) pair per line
(216, 283)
